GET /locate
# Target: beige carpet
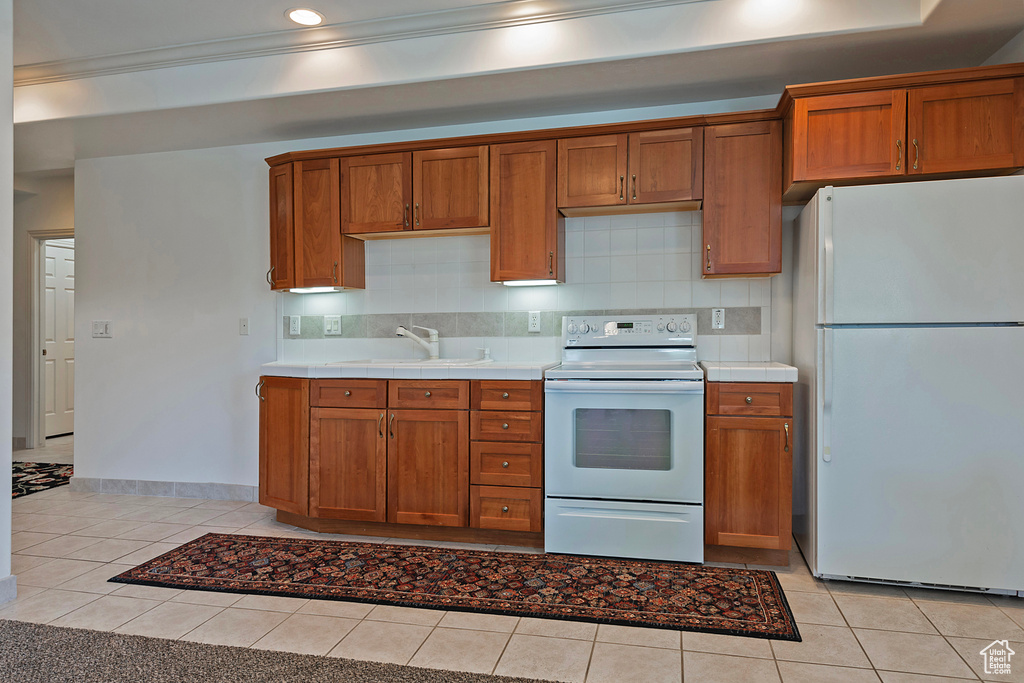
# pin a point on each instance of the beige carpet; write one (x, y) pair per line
(33, 653)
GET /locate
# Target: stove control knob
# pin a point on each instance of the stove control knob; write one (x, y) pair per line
(584, 328)
(685, 327)
(671, 327)
(661, 327)
(572, 328)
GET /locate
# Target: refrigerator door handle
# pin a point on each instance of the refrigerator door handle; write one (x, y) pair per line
(825, 284)
(826, 392)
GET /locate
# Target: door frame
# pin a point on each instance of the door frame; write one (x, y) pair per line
(37, 430)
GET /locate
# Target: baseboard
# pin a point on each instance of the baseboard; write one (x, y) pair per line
(8, 588)
(19, 443)
(166, 489)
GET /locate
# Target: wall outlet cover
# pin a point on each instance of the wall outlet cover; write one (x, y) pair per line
(243, 326)
(718, 318)
(295, 324)
(332, 325)
(533, 324)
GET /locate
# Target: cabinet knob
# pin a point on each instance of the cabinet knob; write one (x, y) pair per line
(504, 508)
(505, 395)
(505, 426)
(504, 464)
(750, 399)
(348, 393)
(427, 394)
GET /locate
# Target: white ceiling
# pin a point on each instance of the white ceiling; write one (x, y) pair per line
(106, 77)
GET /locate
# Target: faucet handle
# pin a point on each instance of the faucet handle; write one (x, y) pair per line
(486, 350)
(429, 330)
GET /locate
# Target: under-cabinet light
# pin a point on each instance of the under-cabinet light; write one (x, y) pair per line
(315, 290)
(529, 283)
(305, 16)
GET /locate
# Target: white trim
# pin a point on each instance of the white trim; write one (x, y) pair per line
(37, 427)
(8, 588)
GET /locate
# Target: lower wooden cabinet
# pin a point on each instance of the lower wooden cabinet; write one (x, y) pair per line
(348, 464)
(284, 443)
(508, 508)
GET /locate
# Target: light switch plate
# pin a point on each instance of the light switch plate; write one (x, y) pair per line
(102, 329)
(332, 325)
(295, 324)
(534, 322)
(718, 318)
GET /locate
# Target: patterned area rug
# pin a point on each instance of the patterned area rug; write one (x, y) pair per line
(741, 602)
(32, 477)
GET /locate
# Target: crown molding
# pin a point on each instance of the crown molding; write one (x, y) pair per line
(445, 22)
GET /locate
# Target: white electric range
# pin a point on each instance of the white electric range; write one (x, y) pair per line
(624, 439)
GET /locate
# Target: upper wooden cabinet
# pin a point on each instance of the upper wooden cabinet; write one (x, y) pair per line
(307, 248)
(963, 124)
(742, 225)
(527, 232)
(650, 167)
(424, 190)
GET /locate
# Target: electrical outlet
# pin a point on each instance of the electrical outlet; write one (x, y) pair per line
(295, 324)
(534, 322)
(332, 325)
(243, 326)
(102, 329)
(718, 318)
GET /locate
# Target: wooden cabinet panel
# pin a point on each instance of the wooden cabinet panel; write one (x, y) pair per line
(592, 171)
(507, 394)
(348, 464)
(428, 394)
(966, 126)
(450, 188)
(502, 507)
(493, 425)
(666, 165)
(282, 228)
(855, 135)
(742, 224)
(527, 232)
(284, 443)
(506, 464)
(376, 193)
(428, 467)
(317, 234)
(348, 393)
(748, 482)
(773, 399)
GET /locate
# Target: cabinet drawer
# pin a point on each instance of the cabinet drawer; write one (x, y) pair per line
(507, 395)
(505, 507)
(428, 394)
(494, 425)
(755, 398)
(348, 393)
(505, 464)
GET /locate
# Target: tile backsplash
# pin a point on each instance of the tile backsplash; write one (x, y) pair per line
(628, 264)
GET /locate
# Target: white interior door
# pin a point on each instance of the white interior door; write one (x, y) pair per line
(59, 336)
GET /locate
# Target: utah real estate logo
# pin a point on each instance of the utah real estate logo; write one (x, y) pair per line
(997, 657)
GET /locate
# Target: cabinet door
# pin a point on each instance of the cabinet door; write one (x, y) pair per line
(857, 135)
(592, 171)
(376, 193)
(966, 126)
(317, 231)
(527, 232)
(282, 228)
(450, 188)
(665, 165)
(347, 464)
(428, 467)
(743, 199)
(748, 482)
(284, 443)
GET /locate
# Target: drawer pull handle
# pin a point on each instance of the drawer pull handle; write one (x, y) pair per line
(785, 426)
(504, 464)
(258, 392)
(505, 426)
(505, 395)
(380, 426)
(504, 508)
(391, 426)
(348, 393)
(427, 394)
(750, 400)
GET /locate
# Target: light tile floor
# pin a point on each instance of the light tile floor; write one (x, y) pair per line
(67, 544)
(58, 449)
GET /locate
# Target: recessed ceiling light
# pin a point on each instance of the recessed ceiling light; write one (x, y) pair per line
(305, 16)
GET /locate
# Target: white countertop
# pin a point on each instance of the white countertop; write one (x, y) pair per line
(516, 370)
(741, 371)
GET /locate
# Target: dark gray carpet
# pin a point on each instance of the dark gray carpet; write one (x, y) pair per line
(31, 653)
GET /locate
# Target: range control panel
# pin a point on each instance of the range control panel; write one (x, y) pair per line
(659, 330)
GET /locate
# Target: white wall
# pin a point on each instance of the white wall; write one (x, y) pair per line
(1010, 53)
(6, 289)
(42, 204)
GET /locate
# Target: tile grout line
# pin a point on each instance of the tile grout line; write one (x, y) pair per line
(504, 648)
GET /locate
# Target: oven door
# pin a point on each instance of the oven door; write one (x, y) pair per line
(624, 440)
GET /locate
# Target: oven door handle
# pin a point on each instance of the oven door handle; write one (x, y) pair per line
(619, 387)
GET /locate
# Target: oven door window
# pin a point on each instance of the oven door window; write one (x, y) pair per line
(623, 439)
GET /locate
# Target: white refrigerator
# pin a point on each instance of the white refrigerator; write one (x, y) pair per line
(909, 339)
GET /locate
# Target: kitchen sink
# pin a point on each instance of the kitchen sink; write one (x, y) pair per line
(435, 362)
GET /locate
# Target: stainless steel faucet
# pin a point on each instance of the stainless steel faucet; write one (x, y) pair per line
(431, 346)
